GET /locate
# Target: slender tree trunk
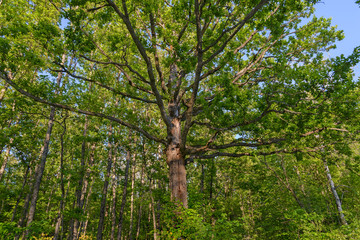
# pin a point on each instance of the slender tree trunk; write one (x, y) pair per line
(202, 178)
(79, 192)
(140, 207)
(86, 189)
(123, 201)
(334, 192)
(132, 197)
(39, 170)
(286, 184)
(62, 187)
(2, 92)
(6, 158)
(212, 173)
(152, 209)
(85, 224)
(113, 205)
(28, 170)
(48, 207)
(105, 189)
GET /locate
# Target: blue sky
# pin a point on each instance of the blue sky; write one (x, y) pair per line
(346, 15)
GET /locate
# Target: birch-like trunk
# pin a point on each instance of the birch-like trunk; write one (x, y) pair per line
(334, 192)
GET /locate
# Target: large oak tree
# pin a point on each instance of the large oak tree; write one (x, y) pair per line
(218, 78)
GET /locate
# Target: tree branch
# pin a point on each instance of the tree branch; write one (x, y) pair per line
(89, 113)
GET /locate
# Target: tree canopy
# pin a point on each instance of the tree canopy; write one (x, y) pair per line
(232, 100)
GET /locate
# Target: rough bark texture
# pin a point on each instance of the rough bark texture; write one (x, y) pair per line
(176, 162)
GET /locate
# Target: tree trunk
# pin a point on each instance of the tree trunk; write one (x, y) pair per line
(62, 187)
(6, 158)
(113, 205)
(336, 196)
(39, 171)
(141, 197)
(123, 201)
(84, 225)
(105, 189)
(2, 92)
(88, 180)
(152, 209)
(28, 172)
(79, 192)
(132, 198)
(176, 162)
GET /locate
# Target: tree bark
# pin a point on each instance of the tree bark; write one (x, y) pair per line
(176, 162)
(334, 192)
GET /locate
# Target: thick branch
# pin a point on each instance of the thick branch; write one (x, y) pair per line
(104, 86)
(125, 17)
(89, 113)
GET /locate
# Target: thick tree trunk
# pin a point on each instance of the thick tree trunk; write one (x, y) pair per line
(176, 162)
(336, 196)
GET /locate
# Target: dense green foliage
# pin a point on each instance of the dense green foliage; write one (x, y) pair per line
(90, 91)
